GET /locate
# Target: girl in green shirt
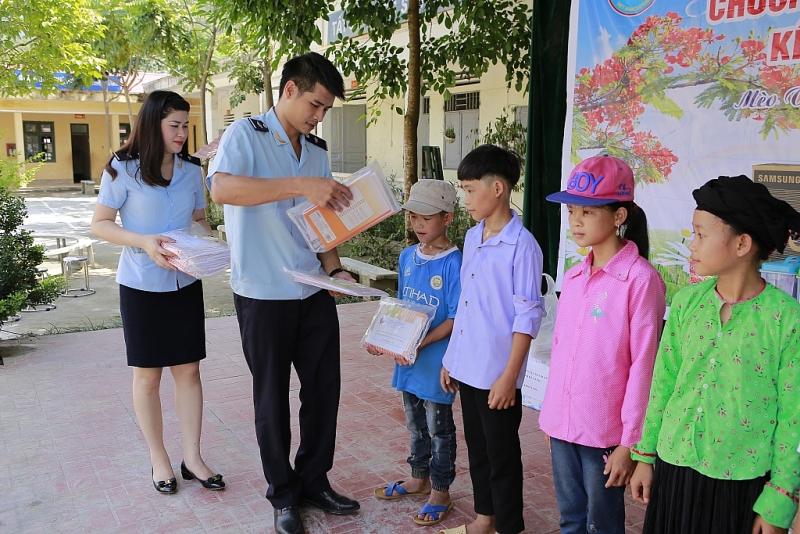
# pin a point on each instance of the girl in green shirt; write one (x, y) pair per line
(723, 419)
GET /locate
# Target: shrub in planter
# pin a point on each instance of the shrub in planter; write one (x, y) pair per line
(19, 284)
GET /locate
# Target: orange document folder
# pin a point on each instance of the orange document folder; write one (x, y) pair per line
(372, 202)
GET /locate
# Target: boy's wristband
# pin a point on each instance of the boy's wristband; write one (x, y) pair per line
(335, 271)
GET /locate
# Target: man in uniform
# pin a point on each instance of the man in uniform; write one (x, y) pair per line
(264, 166)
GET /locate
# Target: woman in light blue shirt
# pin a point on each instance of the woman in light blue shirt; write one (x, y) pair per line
(155, 186)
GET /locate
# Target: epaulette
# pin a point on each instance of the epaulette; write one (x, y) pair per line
(190, 159)
(258, 125)
(124, 156)
(314, 140)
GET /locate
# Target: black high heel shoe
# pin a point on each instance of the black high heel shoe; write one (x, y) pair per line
(214, 483)
(165, 486)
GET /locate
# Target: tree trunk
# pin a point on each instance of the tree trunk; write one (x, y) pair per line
(127, 90)
(104, 84)
(206, 67)
(267, 70)
(411, 119)
(203, 129)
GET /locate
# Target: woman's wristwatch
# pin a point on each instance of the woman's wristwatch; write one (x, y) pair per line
(335, 272)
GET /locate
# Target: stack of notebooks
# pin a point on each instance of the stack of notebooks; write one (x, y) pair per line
(197, 256)
(373, 201)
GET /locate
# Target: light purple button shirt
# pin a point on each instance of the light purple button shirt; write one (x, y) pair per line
(501, 282)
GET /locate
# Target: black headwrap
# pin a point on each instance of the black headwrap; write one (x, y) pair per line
(743, 203)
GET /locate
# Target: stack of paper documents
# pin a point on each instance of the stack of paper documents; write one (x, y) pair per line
(398, 328)
(336, 285)
(197, 256)
(373, 201)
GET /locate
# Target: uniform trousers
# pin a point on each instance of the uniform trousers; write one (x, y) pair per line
(277, 334)
(495, 457)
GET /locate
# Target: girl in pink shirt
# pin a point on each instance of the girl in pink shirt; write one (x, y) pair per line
(604, 346)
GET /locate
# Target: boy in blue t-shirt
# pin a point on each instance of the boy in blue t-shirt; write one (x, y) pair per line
(429, 274)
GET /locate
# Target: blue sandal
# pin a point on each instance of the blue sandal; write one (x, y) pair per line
(395, 491)
(437, 511)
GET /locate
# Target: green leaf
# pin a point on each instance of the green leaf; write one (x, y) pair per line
(666, 105)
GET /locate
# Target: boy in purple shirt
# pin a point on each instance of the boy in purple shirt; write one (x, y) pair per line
(498, 314)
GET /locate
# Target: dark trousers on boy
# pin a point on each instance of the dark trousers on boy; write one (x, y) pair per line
(433, 440)
(495, 458)
(277, 334)
(584, 502)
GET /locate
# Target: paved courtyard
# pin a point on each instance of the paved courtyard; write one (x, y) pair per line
(72, 458)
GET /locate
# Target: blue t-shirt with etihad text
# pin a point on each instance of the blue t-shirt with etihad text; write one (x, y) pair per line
(432, 280)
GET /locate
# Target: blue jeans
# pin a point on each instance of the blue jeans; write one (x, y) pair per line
(433, 440)
(584, 502)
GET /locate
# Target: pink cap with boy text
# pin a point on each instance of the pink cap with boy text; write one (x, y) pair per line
(597, 181)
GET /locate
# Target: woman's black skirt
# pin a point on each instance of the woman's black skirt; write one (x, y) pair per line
(163, 329)
(683, 501)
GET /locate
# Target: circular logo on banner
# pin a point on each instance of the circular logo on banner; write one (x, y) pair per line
(436, 282)
(630, 8)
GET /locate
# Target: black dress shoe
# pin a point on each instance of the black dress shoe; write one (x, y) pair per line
(331, 502)
(214, 483)
(165, 486)
(287, 520)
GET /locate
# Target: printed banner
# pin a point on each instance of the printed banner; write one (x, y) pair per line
(684, 91)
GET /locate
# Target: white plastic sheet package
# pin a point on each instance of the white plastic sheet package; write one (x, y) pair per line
(398, 328)
(198, 256)
(324, 229)
(337, 285)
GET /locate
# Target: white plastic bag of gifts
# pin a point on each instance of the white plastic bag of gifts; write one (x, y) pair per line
(538, 368)
(398, 328)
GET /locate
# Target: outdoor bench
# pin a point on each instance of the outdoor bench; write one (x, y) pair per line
(370, 275)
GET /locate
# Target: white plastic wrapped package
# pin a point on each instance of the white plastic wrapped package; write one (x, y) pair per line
(324, 229)
(398, 328)
(198, 256)
(537, 371)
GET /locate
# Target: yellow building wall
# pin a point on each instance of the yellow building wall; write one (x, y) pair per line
(62, 113)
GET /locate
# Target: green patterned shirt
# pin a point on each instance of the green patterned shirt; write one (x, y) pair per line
(725, 400)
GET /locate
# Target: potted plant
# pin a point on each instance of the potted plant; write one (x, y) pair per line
(450, 133)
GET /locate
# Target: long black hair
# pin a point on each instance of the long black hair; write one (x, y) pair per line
(146, 140)
(635, 226)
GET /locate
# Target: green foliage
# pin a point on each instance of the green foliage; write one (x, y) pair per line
(11, 305)
(139, 34)
(290, 25)
(18, 260)
(13, 175)
(505, 132)
(480, 33)
(215, 214)
(46, 292)
(40, 39)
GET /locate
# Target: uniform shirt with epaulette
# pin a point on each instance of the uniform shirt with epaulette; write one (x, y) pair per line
(152, 209)
(263, 240)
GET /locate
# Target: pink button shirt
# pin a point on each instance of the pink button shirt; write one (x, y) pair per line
(604, 346)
